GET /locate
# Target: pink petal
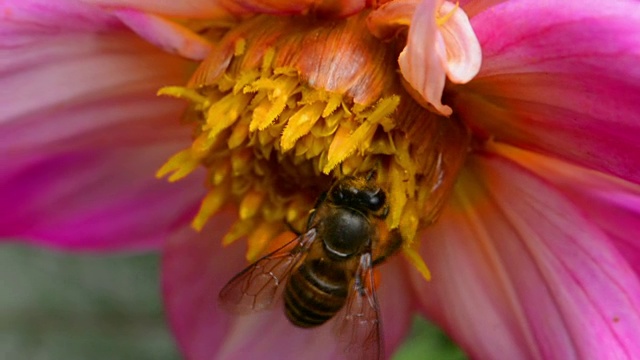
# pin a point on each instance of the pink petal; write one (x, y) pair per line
(611, 203)
(435, 52)
(166, 34)
(42, 16)
(561, 80)
(74, 89)
(464, 55)
(520, 272)
(421, 60)
(195, 267)
(100, 200)
(82, 131)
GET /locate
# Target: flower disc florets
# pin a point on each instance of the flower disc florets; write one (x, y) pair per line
(283, 106)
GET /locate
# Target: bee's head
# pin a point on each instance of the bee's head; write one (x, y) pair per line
(358, 193)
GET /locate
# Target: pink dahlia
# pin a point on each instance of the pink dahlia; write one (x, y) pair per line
(504, 132)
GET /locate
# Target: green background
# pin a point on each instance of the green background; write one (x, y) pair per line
(76, 307)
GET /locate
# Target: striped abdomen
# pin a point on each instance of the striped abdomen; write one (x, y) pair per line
(315, 292)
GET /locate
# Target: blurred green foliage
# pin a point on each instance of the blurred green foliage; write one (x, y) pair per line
(427, 341)
(75, 307)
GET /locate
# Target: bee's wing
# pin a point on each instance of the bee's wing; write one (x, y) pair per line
(358, 324)
(256, 287)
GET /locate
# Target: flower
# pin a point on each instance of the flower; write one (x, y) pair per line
(535, 253)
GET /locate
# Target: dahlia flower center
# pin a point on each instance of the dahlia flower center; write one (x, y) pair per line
(283, 106)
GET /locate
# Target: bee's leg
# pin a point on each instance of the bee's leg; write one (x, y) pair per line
(312, 214)
(383, 215)
(390, 247)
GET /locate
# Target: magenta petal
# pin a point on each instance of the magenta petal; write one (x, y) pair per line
(194, 269)
(50, 17)
(520, 272)
(611, 203)
(93, 200)
(83, 90)
(562, 80)
(82, 131)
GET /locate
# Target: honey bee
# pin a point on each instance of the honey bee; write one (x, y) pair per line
(327, 271)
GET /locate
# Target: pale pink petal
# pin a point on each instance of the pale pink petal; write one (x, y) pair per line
(166, 34)
(561, 80)
(101, 200)
(520, 272)
(464, 55)
(421, 61)
(434, 52)
(194, 269)
(611, 203)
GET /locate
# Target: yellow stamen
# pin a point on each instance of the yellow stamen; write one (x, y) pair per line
(211, 203)
(300, 124)
(250, 204)
(179, 165)
(240, 47)
(441, 20)
(184, 93)
(413, 256)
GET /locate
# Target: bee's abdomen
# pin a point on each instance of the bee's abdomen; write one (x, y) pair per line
(314, 294)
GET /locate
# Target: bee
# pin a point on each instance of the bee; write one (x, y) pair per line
(327, 271)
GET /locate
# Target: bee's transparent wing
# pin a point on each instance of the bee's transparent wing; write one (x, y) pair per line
(358, 324)
(257, 286)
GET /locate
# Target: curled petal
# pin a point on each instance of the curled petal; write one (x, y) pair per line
(520, 272)
(434, 52)
(165, 34)
(421, 61)
(464, 55)
(194, 269)
(561, 81)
